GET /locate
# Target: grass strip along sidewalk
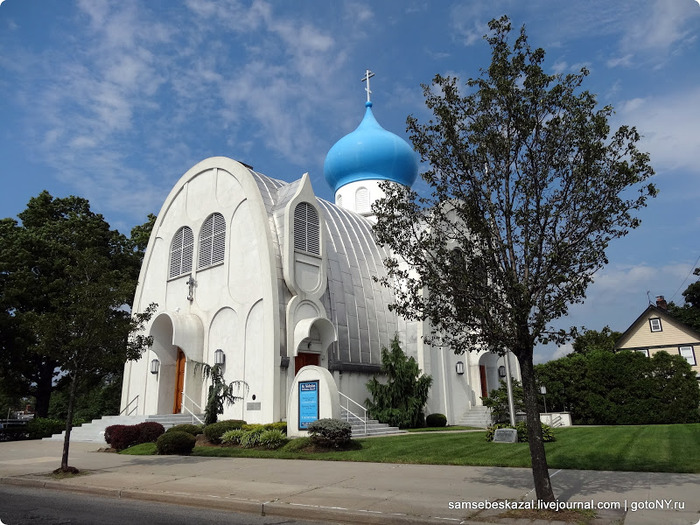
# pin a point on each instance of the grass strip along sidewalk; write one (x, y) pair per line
(653, 448)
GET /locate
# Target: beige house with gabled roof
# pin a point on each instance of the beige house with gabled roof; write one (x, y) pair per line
(656, 330)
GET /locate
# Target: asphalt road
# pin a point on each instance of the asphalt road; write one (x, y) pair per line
(19, 506)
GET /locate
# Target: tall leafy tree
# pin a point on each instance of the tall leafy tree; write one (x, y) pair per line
(689, 312)
(66, 282)
(591, 340)
(527, 187)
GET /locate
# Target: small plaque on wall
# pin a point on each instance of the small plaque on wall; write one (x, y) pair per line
(253, 406)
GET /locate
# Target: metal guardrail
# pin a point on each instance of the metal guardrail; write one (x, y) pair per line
(194, 416)
(349, 412)
(125, 411)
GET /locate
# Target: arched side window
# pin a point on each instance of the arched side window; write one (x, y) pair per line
(307, 229)
(181, 251)
(212, 241)
(362, 200)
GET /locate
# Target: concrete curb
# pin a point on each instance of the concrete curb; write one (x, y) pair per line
(268, 508)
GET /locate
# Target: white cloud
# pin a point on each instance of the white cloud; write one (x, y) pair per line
(669, 125)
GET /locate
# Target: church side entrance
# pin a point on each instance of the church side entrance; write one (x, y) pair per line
(179, 381)
(305, 359)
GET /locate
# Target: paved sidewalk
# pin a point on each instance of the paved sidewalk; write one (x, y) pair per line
(343, 491)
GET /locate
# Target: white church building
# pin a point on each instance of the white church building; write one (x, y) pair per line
(266, 277)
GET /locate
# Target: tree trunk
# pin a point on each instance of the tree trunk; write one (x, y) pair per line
(540, 471)
(69, 425)
(44, 387)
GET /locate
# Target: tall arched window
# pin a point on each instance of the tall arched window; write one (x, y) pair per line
(181, 252)
(212, 241)
(306, 229)
(362, 200)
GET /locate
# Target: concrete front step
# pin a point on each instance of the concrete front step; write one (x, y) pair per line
(170, 420)
(94, 432)
(478, 416)
(374, 427)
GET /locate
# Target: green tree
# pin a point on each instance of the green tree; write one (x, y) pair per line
(623, 388)
(591, 340)
(66, 281)
(219, 393)
(497, 401)
(527, 186)
(400, 398)
(689, 312)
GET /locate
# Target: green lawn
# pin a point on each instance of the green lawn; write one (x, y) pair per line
(656, 448)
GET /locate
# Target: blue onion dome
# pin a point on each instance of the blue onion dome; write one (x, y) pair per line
(370, 153)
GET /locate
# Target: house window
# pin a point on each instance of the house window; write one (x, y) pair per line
(212, 241)
(689, 353)
(307, 229)
(181, 251)
(655, 324)
(644, 351)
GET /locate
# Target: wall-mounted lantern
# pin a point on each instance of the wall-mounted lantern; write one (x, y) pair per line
(155, 366)
(459, 368)
(501, 371)
(219, 357)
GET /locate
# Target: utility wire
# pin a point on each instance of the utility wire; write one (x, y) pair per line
(695, 265)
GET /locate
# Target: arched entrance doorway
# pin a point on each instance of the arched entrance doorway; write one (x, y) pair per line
(488, 373)
(176, 338)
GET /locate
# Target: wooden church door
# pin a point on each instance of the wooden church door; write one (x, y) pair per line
(484, 386)
(179, 381)
(305, 359)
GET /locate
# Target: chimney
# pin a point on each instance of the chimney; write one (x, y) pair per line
(661, 302)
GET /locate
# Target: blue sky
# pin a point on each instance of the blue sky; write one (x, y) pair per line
(115, 100)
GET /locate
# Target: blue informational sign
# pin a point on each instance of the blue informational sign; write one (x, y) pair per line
(308, 403)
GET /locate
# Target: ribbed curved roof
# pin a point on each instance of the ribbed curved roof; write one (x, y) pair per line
(370, 153)
(356, 304)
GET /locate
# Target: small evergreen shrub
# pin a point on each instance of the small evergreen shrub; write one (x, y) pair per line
(330, 433)
(214, 431)
(399, 397)
(195, 430)
(232, 437)
(273, 439)
(120, 437)
(176, 443)
(436, 420)
(521, 428)
(251, 435)
(149, 431)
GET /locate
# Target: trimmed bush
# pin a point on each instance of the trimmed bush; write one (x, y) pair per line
(521, 427)
(330, 433)
(195, 430)
(41, 427)
(176, 443)
(216, 430)
(232, 437)
(436, 420)
(120, 437)
(279, 425)
(149, 431)
(273, 439)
